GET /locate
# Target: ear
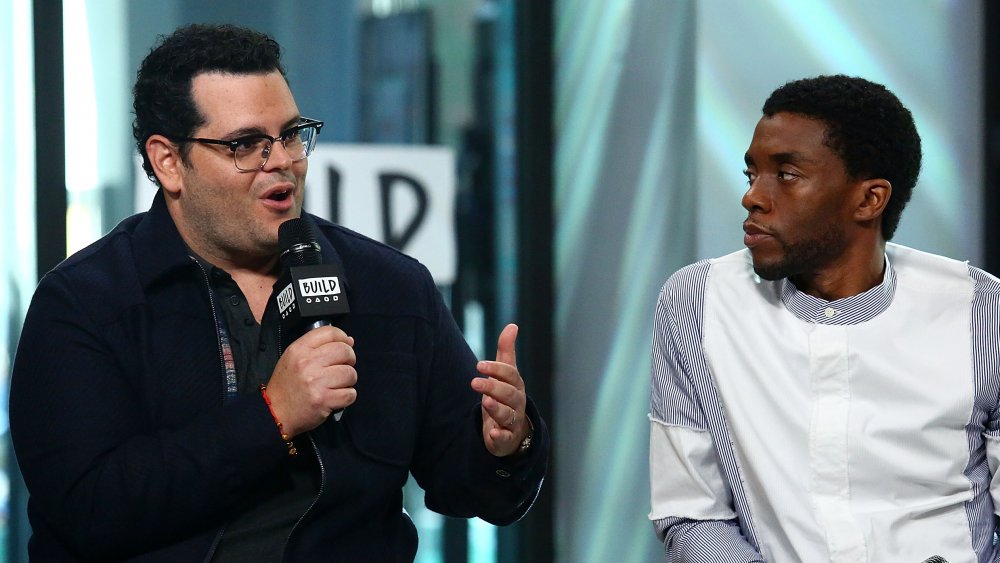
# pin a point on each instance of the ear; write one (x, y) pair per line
(165, 158)
(875, 194)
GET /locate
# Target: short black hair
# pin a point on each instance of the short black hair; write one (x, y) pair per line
(866, 126)
(162, 94)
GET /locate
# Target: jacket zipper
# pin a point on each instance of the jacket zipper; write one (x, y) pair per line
(322, 483)
(319, 461)
(222, 364)
(215, 323)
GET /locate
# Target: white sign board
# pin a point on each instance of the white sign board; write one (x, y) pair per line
(402, 195)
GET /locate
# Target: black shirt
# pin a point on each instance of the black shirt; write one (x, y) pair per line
(261, 526)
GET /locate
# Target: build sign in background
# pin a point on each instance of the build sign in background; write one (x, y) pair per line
(402, 195)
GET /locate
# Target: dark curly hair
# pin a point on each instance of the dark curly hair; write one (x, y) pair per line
(162, 94)
(866, 126)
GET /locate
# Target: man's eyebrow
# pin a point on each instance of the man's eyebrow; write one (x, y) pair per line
(254, 130)
(291, 123)
(243, 132)
(791, 157)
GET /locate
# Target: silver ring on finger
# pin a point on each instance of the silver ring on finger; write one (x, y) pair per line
(513, 418)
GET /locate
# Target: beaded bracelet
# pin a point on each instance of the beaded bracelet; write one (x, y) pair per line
(288, 440)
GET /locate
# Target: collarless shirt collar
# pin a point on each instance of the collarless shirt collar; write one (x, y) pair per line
(847, 311)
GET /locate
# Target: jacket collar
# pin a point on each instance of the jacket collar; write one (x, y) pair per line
(157, 245)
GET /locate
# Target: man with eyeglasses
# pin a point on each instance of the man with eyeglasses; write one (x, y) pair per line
(158, 413)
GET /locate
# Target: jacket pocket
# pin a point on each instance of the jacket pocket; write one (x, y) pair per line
(382, 423)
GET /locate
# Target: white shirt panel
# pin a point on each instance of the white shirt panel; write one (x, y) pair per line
(694, 489)
(993, 458)
(830, 483)
(908, 481)
(767, 409)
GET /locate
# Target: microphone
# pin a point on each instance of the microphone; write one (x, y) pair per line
(935, 559)
(309, 292)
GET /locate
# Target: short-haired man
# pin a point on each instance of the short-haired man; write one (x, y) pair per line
(824, 395)
(159, 413)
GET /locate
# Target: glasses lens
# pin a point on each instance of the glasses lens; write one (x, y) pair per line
(251, 153)
(300, 143)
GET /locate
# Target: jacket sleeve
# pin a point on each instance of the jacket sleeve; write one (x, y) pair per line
(458, 474)
(691, 504)
(105, 481)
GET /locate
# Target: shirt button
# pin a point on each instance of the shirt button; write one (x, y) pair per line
(829, 312)
(234, 301)
(248, 321)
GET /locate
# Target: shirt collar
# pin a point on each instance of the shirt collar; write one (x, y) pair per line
(847, 311)
(216, 275)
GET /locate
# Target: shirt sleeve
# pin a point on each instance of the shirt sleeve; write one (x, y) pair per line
(985, 303)
(691, 504)
(708, 541)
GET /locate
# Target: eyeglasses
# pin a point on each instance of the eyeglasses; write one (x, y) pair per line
(250, 153)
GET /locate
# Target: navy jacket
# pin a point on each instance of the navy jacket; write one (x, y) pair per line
(118, 423)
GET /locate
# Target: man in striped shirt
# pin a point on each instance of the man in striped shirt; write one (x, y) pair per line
(823, 394)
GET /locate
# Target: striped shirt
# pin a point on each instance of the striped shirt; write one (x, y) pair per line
(785, 427)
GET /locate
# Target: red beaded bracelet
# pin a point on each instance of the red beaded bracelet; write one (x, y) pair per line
(288, 441)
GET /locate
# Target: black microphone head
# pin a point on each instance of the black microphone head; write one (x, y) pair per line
(309, 291)
(297, 238)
